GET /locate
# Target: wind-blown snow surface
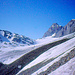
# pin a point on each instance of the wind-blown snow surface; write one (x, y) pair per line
(66, 69)
(10, 54)
(57, 51)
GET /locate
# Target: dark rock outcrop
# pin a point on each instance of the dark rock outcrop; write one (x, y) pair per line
(1, 64)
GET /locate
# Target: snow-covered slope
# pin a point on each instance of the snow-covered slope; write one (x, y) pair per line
(14, 39)
(10, 54)
(55, 53)
(66, 69)
(43, 61)
(2, 39)
(45, 40)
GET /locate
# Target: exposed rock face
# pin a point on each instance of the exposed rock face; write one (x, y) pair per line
(15, 37)
(53, 30)
(59, 31)
(69, 28)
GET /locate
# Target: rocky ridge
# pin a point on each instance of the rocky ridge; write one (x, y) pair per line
(67, 29)
(59, 31)
(53, 29)
(13, 37)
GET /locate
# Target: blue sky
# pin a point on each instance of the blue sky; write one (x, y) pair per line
(33, 18)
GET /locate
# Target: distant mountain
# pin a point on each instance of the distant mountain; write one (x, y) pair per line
(12, 37)
(58, 31)
(67, 29)
(53, 30)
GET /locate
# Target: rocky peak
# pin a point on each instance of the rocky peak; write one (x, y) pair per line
(53, 29)
(54, 24)
(67, 29)
(59, 31)
(6, 33)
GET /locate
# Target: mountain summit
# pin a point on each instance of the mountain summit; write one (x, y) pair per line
(58, 31)
(67, 29)
(53, 30)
